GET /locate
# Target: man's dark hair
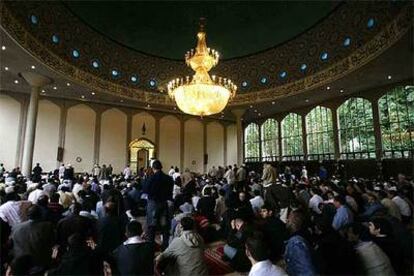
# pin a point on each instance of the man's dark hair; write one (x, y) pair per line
(360, 230)
(157, 165)
(54, 197)
(222, 192)
(21, 265)
(207, 191)
(340, 199)
(134, 228)
(256, 192)
(257, 248)
(267, 206)
(187, 223)
(75, 208)
(76, 240)
(34, 212)
(316, 191)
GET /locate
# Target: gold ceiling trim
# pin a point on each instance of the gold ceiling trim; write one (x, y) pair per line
(383, 40)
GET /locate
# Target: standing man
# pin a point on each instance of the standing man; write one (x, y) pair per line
(159, 188)
(37, 173)
(61, 171)
(127, 172)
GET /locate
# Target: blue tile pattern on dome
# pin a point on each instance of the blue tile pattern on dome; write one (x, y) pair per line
(371, 23)
(34, 19)
(95, 64)
(324, 56)
(114, 73)
(55, 39)
(75, 53)
(152, 83)
(303, 67)
(263, 80)
(134, 79)
(347, 41)
(283, 74)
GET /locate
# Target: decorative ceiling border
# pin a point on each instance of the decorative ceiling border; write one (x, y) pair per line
(363, 55)
(382, 40)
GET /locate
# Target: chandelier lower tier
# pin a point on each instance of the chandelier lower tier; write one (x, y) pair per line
(201, 95)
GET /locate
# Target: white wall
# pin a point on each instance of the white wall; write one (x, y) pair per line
(113, 139)
(9, 129)
(169, 148)
(137, 121)
(47, 135)
(193, 145)
(215, 145)
(231, 145)
(79, 142)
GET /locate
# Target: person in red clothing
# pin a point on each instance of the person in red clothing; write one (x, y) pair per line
(56, 210)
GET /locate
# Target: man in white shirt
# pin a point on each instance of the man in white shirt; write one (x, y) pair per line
(171, 171)
(230, 176)
(402, 205)
(127, 172)
(315, 200)
(256, 251)
(176, 174)
(257, 202)
(61, 171)
(35, 194)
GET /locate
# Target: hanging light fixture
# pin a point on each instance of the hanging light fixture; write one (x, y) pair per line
(201, 95)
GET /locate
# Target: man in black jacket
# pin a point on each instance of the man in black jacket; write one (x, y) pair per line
(134, 256)
(159, 188)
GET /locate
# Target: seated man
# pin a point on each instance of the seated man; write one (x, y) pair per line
(234, 250)
(257, 252)
(274, 231)
(187, 251)
(134, 256)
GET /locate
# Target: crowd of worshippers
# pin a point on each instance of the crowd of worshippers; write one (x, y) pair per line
(161, 221)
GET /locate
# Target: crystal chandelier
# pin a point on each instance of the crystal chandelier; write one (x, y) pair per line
(201, 95)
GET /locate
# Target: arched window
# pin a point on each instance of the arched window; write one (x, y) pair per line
(252, 143)
(397, 122)
(356, 131)
(319, 133)
(269, 136)
(292, 137)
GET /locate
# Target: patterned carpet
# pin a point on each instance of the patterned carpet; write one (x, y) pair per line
(216, 265)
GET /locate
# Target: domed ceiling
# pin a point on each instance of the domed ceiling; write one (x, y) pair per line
(272, 51)
(167, 29)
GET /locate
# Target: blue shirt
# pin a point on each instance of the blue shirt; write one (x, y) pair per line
(342, 217)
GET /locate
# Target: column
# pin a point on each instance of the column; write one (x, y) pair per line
(22, 128)
(182, 144)
(205, 147)
(128, 138)
(62, 130)
(224, 145)
(97, 140)
(377, 129)
(36, 82)
(157, 137)
(304, 138)
(335, 130)
(239, 130)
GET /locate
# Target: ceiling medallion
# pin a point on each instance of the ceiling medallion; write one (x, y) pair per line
(201, 95)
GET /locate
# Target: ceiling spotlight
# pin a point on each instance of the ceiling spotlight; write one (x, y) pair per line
(251, 106)
(328, 88)
(260, 114)
(3, 47)
(307, 100)
(175, 108)
(33, 67)
(148, 105)
(341, 91)
(93, 93)
(83, 97)
(389, 77)
(43, 91)
(16, 81)
(67, 84)
(121, 101)
(255, 110)
(54, 87)
(6, 68)
(273, 102)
